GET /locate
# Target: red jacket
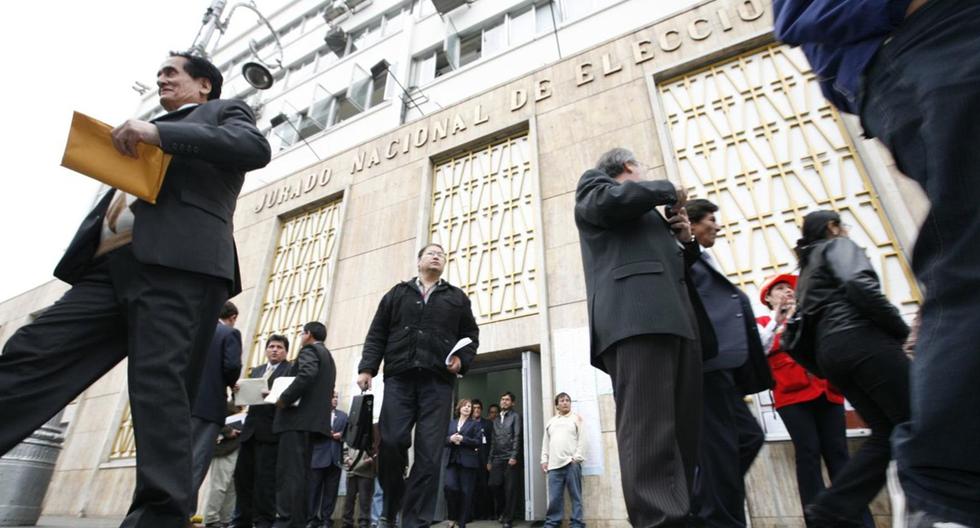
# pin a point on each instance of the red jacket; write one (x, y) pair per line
(793, 383)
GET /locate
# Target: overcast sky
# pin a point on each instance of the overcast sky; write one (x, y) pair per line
(61, 56)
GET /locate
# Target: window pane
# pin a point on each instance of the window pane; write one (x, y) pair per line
(394, 22)
(543, 17)
(521, 27)
(345, 109)
(443, 66)
(378, 84)
(424, 70)
(574, 9)
(494, 39)
(470, 48)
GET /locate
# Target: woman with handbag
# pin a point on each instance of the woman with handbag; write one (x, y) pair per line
(811, 409)
(463, 440)
(857, 337)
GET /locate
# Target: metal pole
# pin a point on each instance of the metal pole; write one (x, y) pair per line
(210, 23)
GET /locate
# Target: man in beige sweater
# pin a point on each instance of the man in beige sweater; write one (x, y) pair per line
(562, 454)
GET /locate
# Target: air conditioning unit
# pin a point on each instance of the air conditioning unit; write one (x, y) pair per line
(335, 12)
(445, 6)
(336, 40)
(355, 5)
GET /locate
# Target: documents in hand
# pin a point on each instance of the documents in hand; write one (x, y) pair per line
(459, 344)
(250, 391)
(279, 385)
(89, 151)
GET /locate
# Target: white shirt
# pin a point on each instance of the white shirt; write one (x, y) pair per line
(563, 442)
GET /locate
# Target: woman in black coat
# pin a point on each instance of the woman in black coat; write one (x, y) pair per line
(463, 440)
(858, 336)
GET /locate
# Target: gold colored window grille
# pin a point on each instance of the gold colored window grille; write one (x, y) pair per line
(302, 269)
(124, 445)
(483, 214)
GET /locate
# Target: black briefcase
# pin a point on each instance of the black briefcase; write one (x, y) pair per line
(359, 433)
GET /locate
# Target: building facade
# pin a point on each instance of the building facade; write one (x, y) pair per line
(394, 125)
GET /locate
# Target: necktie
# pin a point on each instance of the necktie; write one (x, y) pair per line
(115, 209)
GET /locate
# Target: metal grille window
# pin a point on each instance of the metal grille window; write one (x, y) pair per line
(483, 215)
(298, 285)
(124, 445)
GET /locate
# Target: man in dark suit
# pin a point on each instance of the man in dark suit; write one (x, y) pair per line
(482, 500)
(731, 436)
(255, 471)
(222, 366)
(148, 281)
(326, 464)
(301, 409)
(643, 330)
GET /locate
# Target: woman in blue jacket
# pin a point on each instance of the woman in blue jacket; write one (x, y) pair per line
(463, 440)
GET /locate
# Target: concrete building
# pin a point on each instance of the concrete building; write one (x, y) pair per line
(394, 125)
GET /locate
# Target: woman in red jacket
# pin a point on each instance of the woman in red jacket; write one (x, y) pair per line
(811, 409)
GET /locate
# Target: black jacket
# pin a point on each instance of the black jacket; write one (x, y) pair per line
(316, 376)
(222, 365)
(467, 453)
(408, 333)
(840, 290)
(634, 269)
(258, 421)
(190, 226)
(507, 432)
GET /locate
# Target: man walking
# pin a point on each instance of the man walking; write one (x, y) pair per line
(325, 466)
(482, 501)
(255, 472)
(303, 408)
(643, 330)
(731, 437)
(910, 70)
(417, 324)
(505, 454)
(562, 454)
(222, 366)
(148, 282)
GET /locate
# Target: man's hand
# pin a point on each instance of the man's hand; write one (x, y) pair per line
(235, 388)
(234, 433)
(680, 224)
(364, 381)
(681, 196)
(280, 404)
(336, 436)
(489, 467)
(126, 136)
(544, 467)
(265, 392)
(454, 364)
(512, 462)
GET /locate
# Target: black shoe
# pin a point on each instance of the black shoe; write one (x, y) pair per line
(817, 517)
(384, 523)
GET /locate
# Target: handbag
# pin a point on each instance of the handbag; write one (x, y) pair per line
(798, 340)
(359, 432)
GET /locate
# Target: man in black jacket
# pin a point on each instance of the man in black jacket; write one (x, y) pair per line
(303, 408)
(731, 436)
(148, 281)
(255, 471)
(644, 330)
(222, 366)
(417, 324)
(505, 456)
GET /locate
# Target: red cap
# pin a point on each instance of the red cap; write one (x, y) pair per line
(788, 278)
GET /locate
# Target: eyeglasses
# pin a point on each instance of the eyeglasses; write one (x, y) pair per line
(643, 166)
(439, 254)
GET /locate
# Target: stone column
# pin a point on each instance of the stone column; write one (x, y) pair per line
(25, 473)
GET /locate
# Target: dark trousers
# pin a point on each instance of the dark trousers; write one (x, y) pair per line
(422, 400)
(204, 436)
(459, 486)
(922, 99)
(162, 319)
(482, 500)
(324, 486)
(361, 491)
(869, 368)
(817, 429)
(731, 439)
(255, 491)
(292, 477)
(505, 485)
(657, 387)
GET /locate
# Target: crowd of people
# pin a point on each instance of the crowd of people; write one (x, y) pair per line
(679, 341)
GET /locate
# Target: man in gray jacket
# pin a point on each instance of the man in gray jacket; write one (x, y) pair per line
(504, 467)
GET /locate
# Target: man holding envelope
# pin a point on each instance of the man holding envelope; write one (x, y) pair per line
(148, 281)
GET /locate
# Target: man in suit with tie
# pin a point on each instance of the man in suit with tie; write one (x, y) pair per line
(731, 436)
(328, 454)
(255, 471)
(148, 281)
(222, 366)
(643, 330)
(303, 408)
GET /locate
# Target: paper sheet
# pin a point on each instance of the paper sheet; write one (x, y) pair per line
(279, 385)
(250, 391)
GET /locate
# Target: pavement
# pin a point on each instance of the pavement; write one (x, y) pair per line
(78, 522)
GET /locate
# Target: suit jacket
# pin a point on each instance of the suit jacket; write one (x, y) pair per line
(315, 374)
(467, 453)
(258, 421)
(222, 365)
(327, 451)
(634, 269)
(507, 432)
(486, 442)
(190, 227)
(730, 314)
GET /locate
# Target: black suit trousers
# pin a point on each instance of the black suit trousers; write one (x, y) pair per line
(255, 490)
(324, 487)
(162, 319)
(657, 387)
(731, 438)
(292, 476)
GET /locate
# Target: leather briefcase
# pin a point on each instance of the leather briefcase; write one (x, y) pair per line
(359, 433)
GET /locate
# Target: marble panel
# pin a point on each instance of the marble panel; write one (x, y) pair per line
(566, 280)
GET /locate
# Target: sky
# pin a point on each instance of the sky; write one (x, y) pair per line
(61, 56)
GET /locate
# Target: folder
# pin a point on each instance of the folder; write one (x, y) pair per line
(89, 151)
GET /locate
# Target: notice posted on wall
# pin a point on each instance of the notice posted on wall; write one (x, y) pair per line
(575, 375)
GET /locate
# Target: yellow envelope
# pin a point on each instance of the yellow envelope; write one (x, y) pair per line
(90, 152)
